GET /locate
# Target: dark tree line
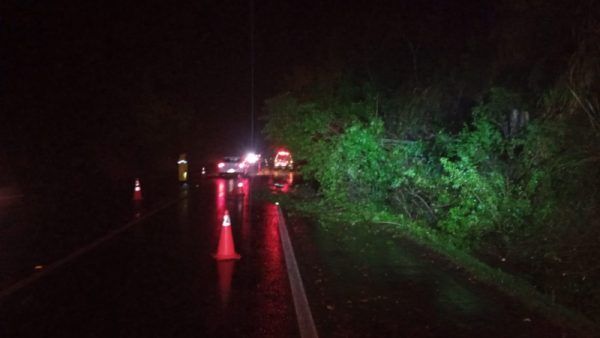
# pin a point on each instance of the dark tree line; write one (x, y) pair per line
(476, 124)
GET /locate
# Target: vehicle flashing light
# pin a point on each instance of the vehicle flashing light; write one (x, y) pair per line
(182, 162)
(221, 165)
(240, 185)
(252, 158)
(283, 152)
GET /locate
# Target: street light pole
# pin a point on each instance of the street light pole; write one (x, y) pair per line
(252, 75)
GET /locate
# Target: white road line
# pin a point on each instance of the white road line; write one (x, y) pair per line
(303, 314)
(74, 255)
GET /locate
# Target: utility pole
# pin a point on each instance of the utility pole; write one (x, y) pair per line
(252, 75)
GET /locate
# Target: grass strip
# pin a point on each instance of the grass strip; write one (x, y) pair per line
(394, 226)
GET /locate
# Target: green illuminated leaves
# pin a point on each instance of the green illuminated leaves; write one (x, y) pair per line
(356, 168)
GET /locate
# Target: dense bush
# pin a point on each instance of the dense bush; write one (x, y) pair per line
(524, 193)
(493, 147)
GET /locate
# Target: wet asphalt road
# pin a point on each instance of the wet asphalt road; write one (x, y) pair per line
(158, 279)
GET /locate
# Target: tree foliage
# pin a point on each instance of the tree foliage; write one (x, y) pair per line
(506, 166)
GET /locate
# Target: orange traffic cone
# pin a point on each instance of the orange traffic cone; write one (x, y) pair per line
(137, 191)
(226, 249)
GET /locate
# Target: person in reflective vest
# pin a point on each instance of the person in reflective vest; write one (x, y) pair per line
(182, 166)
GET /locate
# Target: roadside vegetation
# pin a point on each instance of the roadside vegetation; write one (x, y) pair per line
(495, 160)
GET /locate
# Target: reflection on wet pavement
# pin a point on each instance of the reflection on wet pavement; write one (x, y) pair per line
(225, 272)
(159, 279)
(281, 181)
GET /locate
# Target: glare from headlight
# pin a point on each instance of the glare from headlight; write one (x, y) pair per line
(252, 158)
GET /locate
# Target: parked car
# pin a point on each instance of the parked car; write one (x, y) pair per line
(232, 165)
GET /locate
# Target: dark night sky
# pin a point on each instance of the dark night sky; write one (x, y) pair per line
(74, 68)
(79, 63)
(105, 57)
(79, 73)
